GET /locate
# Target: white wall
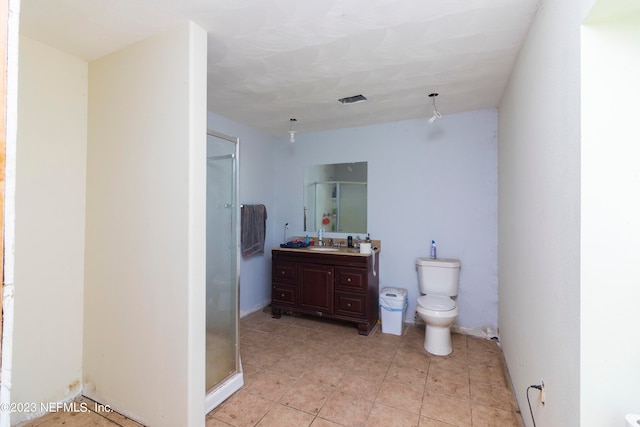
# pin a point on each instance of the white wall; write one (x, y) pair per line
(256, 187)
(610, 271)
(539, 231)
(145, 245)
(49, 243)
(425, 182)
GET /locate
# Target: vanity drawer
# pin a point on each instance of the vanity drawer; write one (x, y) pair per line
(284, 294)
(351, 279)
(353, 305)
(283, 271)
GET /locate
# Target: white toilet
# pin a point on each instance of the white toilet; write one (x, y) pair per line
(438, 282)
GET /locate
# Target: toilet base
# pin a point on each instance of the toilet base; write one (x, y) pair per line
(437, 340)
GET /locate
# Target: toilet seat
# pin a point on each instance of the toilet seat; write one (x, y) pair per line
(436, 303)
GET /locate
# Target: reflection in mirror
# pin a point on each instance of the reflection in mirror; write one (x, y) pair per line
(335, 198)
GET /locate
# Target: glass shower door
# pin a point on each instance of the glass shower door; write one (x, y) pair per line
(222, 358)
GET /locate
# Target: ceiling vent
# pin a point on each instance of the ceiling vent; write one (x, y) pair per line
(352, 99)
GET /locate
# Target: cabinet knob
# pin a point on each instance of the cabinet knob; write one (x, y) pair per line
(348, 279)
(282, 295)
(283, 272)
(348, 304)
(329, 273)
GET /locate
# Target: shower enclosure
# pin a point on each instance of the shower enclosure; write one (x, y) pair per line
(223, 369)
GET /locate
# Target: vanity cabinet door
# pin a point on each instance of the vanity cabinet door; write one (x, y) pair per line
(351, 279)
(353, 305)
(284, 294)
(316, 288)
(285, 272)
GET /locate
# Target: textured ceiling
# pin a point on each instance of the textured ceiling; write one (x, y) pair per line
(270, 60)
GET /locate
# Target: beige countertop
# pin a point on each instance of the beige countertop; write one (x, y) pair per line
(333, 250)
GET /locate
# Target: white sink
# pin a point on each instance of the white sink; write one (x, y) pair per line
(324, 249)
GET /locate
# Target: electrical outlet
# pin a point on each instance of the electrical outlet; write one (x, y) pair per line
(542, 396)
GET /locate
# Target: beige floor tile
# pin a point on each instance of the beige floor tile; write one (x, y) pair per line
(401, 396)
(380, 349)
(361, 386)
(212, 422)
(447, 409)
(479, 344)
(429, 422)
(459, 343)
(346, 409)
(340, 360)
(243, 409)
(321, 422)
(270, 385)
(284, 416)
(384, 416)
(370, 367)
(336, 328)
(277, 343)
(454, 387)
(256, 338)
(485, 416)
(496, 377)
(496, 397)
(450, 364)
(308, 397)
(305, 322)
(273, 326)
(325, 375)
(407, 375)
(415, 358)
(453, 372)
(260, 357)
(414, 345)
(294, 367)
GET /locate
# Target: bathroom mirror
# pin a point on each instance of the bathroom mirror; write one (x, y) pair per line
(335, 198)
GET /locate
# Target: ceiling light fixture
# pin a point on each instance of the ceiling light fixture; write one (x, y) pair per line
(352, 99)
(292, 133)
(436, 113)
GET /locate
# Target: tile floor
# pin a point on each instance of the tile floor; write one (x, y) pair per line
(302, 371)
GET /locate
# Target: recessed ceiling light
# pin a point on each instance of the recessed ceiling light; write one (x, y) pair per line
(352, 99)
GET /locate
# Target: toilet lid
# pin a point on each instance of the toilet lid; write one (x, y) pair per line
(436, 302)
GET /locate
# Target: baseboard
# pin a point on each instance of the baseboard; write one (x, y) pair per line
(486, 333)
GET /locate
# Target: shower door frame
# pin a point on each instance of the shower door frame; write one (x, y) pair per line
(223, 390)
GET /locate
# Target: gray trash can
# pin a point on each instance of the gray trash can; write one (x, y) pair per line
(393, 304)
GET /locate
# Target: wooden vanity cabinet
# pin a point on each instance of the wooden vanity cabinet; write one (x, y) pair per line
(337, 286)
(316, 288)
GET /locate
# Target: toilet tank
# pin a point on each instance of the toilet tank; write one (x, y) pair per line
(438, 276)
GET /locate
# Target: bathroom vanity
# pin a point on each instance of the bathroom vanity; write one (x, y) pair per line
(326, 282)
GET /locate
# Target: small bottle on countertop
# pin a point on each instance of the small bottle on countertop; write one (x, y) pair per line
(368, 239)
(433, 249)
